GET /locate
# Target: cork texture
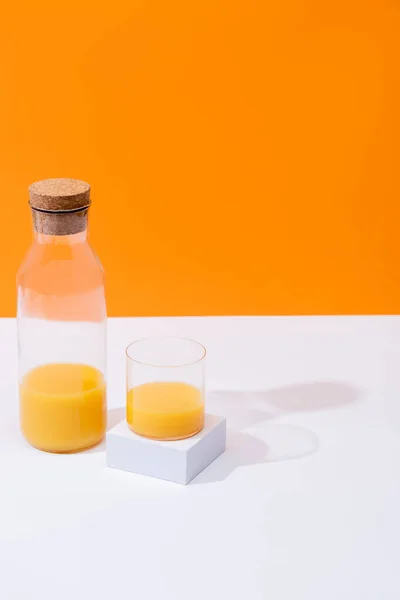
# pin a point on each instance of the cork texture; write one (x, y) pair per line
(53, 223)
(59, 194)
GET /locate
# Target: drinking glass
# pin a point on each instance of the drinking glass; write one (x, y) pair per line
(165, 387)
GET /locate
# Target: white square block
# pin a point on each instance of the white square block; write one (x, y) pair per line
(178, 461)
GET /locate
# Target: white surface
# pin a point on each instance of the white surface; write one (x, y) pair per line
(303, 505)
(178, 461)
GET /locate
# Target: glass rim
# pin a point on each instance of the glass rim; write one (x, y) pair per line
(156, 338)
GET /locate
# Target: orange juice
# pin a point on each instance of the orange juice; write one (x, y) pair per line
(63, 407)
(165, 410)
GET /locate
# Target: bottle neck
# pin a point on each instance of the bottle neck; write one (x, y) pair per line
(60, 227)
(61, 240)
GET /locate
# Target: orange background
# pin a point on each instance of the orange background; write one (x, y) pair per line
(243, 154)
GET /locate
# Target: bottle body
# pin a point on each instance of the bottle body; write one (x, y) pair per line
(61, 317)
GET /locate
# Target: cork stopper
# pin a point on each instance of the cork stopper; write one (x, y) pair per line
(59, 206)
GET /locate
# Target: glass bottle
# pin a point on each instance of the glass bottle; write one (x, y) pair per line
(61, 319)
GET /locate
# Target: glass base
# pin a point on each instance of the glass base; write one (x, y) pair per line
(71, 451)
(167, 439)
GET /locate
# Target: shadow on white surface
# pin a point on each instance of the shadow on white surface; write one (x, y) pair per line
(279, 442)
(242, 449)
(271, 441)
(316, 395)
(245, 409)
